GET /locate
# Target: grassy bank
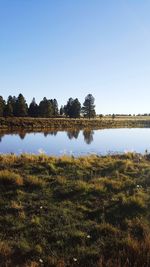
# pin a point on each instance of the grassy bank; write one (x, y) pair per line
(63, 212)
(65, 123)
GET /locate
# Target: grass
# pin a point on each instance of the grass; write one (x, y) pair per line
(67, 212)
(30, 124)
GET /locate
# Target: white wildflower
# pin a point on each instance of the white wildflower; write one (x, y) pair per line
(74, 259)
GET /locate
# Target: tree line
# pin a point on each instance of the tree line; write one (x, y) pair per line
(18, 107)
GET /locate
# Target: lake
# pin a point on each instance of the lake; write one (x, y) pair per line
(75, 142)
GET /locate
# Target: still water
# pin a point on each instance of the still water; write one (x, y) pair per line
(75, 142)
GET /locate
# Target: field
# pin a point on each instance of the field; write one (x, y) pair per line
(42, 124)
(63, 212)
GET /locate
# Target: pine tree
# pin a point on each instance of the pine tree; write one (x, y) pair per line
(14, 105)
(8, 111)
(55, 107)
(88, 108)
(33, 109)
(76, 109)
(21, 106)
(68, 107)
(61, 112)
(2, 106)
(46, 108)
(73, 108)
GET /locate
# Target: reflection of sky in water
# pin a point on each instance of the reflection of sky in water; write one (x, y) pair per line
(78, 143)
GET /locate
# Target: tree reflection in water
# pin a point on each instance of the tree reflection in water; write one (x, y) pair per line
(73, 133)
(50, 133)
(22, 135)
(1, 136)
(88, 136)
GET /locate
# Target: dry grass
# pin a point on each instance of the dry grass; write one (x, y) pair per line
(54, 124)
(10, 178)
(68, 212)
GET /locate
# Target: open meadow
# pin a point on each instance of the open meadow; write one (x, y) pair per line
(87, 211)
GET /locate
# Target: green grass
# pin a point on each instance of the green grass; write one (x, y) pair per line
(63, 212)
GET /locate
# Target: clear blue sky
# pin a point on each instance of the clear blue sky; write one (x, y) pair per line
(69, 48)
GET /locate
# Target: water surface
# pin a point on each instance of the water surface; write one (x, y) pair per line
(75, 142)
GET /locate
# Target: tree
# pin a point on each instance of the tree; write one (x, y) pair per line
(14, 104)
(2, 106)
(33, 109)
(61, 112)
(73, 108)
(55, 108)
(45, 108)
(113, 116)
(88, 108)
(68, 107)
(21, 106)
(76, 108)
(8, 111)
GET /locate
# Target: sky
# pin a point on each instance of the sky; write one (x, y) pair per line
(70, 48)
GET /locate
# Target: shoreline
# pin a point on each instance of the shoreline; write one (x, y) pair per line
(47, 124)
